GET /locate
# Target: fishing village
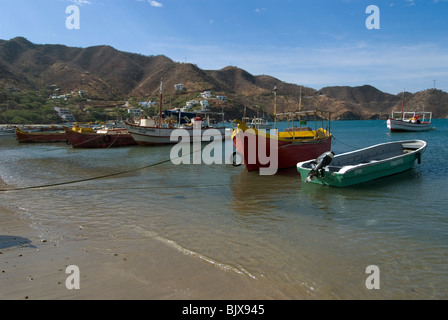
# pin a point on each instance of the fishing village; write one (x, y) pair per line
(127, 176)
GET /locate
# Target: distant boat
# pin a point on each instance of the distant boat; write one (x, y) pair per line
(402, 121)
(410, 121)
(153, 132)
(43, 136)
(362, 165)
(260, 123)
(104, 138)
(7, 130)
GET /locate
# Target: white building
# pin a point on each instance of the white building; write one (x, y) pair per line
(206, 94)
(135, 112)
(222, 98)
(64, 114)
(179, 87)
(204, 104)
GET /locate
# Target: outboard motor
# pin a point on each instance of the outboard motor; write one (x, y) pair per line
(319, 165)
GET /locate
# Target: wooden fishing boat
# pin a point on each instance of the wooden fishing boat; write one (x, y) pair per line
(409, 121)
(7, 130)
(402, 121)
(296, 143)
(43, 136)
(362, 165)
(290, 146)
(105, 138)
(151, 132)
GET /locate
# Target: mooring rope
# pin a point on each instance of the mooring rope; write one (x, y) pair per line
(353, 147)
(95, 178)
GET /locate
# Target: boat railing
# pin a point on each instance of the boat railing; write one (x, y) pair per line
(425, 116)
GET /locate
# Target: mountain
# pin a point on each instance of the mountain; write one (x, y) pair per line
(106, 74)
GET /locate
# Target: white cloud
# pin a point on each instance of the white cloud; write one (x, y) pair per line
(152, 3)
(80, 2)
(155, 3)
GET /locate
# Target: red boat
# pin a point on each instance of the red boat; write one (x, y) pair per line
(44, 136)
(260, 149)
(107, 138)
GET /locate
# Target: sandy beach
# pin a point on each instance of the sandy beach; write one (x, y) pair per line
(32, 267)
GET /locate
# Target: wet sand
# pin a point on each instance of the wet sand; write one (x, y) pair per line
(34, 268)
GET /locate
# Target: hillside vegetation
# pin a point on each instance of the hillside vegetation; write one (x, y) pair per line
(31, 73)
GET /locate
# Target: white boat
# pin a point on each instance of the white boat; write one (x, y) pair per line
(149, 132)
(7, 130)
(409, 121)
(402, 121)
(260, 123)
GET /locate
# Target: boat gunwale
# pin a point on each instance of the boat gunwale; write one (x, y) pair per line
(371, 162)
(292, 139)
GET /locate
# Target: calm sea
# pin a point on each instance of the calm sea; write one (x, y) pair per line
(299, 238)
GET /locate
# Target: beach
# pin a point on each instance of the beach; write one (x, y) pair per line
(34, 268)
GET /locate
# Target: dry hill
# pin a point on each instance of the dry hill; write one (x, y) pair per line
(105, 73)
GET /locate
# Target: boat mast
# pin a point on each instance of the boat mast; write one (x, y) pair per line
(160, 104)
(300, 107)
(402, 105)
(275, 107)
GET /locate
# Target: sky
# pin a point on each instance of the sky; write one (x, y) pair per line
(394, 46)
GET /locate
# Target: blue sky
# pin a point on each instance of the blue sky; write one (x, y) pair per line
(315, 43)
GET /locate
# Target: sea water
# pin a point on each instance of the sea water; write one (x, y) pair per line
(302, 239)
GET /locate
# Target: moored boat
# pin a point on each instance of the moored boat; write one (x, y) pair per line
(7, 130)
(261, 123)
(402, 121)
(104, 138)
(152, 132)
(43, 136)
(410, 121)
(359, 166)
(287, 148)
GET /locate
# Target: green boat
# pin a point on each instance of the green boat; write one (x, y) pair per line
(362, 165)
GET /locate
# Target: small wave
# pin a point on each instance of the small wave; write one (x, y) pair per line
(173, 244)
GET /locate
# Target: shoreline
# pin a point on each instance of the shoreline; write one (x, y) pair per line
(34, 268)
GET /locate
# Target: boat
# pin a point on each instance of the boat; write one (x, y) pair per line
(24, 136)
(286, 148)
(256, 122)
(153, 132)
(103, 138)
(260, 123)
(293, 145)
(7, 130)
(410, 121)
(403, 121)
(359, 166)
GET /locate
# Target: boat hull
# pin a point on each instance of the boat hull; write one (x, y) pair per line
(30, 137)
(367, 168)
(398, 125)
(111, 139)
(153, 136)
(288, 152)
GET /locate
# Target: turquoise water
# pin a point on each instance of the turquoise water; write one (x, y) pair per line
(301, 239)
